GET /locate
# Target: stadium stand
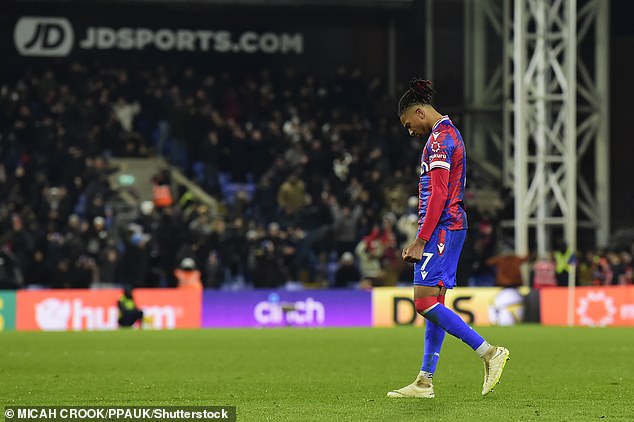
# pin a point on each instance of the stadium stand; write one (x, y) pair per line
(297, 172)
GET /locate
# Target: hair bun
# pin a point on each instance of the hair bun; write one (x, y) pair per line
(422, 89)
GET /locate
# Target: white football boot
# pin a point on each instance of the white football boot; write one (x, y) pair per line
(493, 367)
(421, 388)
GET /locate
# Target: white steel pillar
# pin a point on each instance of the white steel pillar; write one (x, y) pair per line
(544, 127)
(570, 115)
(558, 113)
(519, 134)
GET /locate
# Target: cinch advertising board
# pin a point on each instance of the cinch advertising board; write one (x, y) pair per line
(276, 308)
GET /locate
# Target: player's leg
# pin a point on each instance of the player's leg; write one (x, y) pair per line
(432, 310)
(423, 387)
(438, 268)
(434, 337)
(494, 358)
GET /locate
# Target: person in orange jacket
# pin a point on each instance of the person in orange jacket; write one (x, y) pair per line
(188, 275)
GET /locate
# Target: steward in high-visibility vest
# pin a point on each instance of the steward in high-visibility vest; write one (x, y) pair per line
(562, 266)
(129, 314)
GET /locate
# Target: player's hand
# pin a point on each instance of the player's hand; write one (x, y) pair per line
(414, 251)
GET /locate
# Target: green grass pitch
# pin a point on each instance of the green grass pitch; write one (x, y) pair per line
(558, 374)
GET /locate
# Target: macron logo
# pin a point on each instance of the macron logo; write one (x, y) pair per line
(441, 248)
(435, 135)
(424, 274)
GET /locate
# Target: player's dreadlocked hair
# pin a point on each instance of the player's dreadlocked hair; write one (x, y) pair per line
(419, 92)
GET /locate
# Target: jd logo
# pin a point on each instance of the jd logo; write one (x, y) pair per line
(43, 36)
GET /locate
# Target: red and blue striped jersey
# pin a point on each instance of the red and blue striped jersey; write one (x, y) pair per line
(444, 149)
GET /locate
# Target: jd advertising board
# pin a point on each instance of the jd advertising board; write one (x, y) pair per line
(120, 33)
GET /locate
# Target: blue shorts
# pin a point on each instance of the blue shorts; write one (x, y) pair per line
(440, 259)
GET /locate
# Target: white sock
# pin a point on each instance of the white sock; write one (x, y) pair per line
(482, 349)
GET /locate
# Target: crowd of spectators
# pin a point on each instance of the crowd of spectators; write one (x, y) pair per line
(313, 179)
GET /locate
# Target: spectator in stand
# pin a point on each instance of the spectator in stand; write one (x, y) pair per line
(214, 276)
(134, 261)
(265, 200)
(347, 273)
(602, 271)
(37, 273)
(619, 268)
(626, 259)
(269, 264)
(345, 225)
(108, 264)
(291, 197)
(391, 262)
(96, 237)
(303, 150)
(10, 273)
(83, 273)
(21, 242)
(210, 155)
(562, 255)
(162, 194)
(507, 269)
(407, 224)
(544, 272)
(586, 268)
(188, 275)
(370, 251)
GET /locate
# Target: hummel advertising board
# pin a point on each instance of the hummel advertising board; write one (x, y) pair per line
(76, 310)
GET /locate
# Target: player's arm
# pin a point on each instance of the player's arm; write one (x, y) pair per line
(437, 199)
(439, 179)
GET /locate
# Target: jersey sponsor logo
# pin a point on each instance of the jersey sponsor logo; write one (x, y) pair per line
(435, 146)
(441, 156)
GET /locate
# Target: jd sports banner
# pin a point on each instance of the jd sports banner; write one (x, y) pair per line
(129, 35)
(57, 36)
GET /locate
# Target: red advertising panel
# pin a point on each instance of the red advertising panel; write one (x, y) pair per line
(592, 306)
(73, 310)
